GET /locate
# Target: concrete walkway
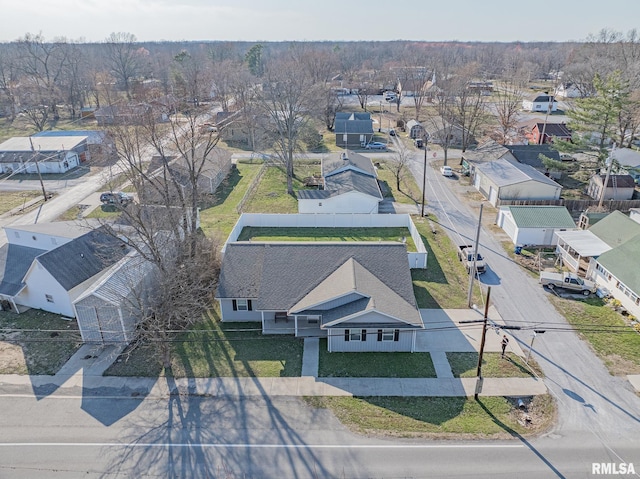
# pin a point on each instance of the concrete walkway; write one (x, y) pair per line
(310, 357)
(441, 364)
(92, 386)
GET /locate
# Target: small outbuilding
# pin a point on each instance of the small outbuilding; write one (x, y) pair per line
(619, 187)
(534, 225)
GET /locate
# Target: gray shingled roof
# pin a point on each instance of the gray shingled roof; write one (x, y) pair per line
(337, 162)
(15, 260)
(554, 129)
(82, 258)
(315, 194)
(353, 126)
(350, 180)
(487, 152)
(504, 172)
(530, 154)
(277, 276)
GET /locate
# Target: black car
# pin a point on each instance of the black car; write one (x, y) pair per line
(116, 197)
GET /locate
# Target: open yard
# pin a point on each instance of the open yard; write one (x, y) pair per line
(616, 343)
(12, 199)
(374, 365)
(327, 234)
(464, 365)
(409, 192)
(215, 349)
(444, 417)
(36, 342)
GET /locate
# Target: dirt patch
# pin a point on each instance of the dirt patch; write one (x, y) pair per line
(12, 360)
(619, 366)
(534, 413)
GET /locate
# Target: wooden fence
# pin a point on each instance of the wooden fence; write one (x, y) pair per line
(575, 206)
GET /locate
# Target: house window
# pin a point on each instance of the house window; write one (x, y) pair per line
(49, 298)
(346, 335)
(363, 336)
(385, 334)
(320, 203)
(242, 305)
(355, 335)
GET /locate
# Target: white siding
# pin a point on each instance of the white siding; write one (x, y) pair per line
(39, 284)
(506, 222)
(628, 299)
(34, 240)
(352, 202)
(337, 343)
(228, 314)
(530, 190)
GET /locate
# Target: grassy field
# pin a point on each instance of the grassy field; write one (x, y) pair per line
(433, 417)
(464, 365)
(374, 365)
(619, 349)
(444, 284)
(214, 349)
(36, 342)
(327, 234)
(409, 193)
(12, 199)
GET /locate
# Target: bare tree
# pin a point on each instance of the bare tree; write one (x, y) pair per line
(508, 101)
(191, 79)
(9, 80)
(123, 59)
(399, 163)
(288, 99)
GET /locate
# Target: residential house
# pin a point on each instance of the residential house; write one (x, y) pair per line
(350, 186)
(443, 132)
(548, 133)
(489, 151)
(60, 265)
(532, 155)
(568, 90)
(509, 180)
(125, 114)
(357, 295)
(415, 129)
(22, 154)
(353, 130)
(99, 147)
(541, 103)
(534, 225)
(619, 187)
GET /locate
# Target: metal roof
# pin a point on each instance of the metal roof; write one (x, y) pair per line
(541, 216)
(585, 243)
(63, 229)
(622, 263)
(615, 229)
(41, 143)
(504, 173)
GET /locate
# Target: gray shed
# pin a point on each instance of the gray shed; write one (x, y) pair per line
(109, 311)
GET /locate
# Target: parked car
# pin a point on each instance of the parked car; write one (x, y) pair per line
(376, 145)
(465, 254)
(566, 157)
(568, 281)
(392, 132)
(446, 170)
(419, 142)
(390, 96)
(115, 197)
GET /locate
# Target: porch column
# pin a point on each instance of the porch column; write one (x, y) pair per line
(295, 325)
(262, 320)
(413, 342)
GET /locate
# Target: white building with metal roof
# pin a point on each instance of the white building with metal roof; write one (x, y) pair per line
(534, 225)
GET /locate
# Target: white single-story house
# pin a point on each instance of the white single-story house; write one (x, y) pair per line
(350, 186)
(509, 180)
(357, 295)
(619, 187)
(43, 154)
(568, 90)
(415, 129)
(540, 103)
(534, 225)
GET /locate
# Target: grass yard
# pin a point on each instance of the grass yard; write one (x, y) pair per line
(439, 417)
(619, 349)
(12, 199)
(36, 342)
(215, 349)
(464, 365)
(445, 283)
(409, 193)
(105, 212)
(374, 365)
(327, 234)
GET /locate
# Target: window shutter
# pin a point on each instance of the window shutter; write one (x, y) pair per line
(235, 305)
(249, 306)
(346, 335)
(379, 334)
(396, 334)
(363, 337)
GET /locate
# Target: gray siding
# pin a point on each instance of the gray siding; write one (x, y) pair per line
(338, 302)
(337, 344)
(228, 314)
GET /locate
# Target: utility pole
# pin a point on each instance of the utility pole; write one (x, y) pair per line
(482, 341)
(35, 157)
(424, 170)
(606, 177)
(472, 273)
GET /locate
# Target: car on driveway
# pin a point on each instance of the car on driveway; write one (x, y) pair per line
(115, 197)
(376, 145)
(446, 170)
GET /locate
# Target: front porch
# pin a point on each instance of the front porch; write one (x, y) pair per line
(576, 248)
(301, 328)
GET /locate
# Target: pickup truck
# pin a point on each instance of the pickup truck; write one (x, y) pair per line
(465, 254)
(568, 281)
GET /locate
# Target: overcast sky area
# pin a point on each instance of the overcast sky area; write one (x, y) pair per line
(313, 20)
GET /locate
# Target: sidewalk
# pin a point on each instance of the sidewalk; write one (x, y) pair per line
(95, 386)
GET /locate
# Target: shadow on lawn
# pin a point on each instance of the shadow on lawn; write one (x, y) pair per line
(226, 187)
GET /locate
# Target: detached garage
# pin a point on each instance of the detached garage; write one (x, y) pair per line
(534, 225)
(507, 180)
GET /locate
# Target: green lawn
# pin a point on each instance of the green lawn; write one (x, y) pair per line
(271, 195)
(464, 365)
(409, 192)
(619, 349)
(215, 349)
(374, 365)
(445, 283)
(10, 199)
(36, 342)
(437, 417)
(327, 234)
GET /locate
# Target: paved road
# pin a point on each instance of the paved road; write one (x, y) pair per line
(592, 404)
(193, 437)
